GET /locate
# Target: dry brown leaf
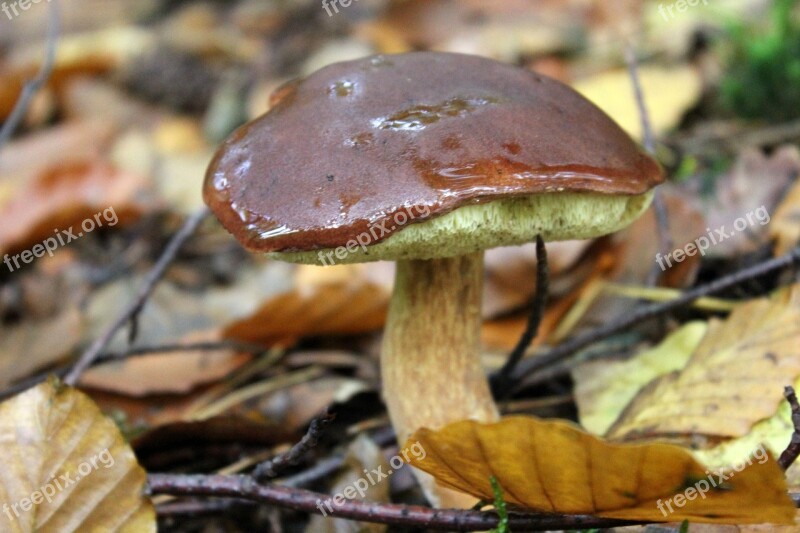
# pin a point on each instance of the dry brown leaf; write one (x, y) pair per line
(338, 309)
(67, 467)
(60, 200)
(734, 379)
(65, 145)
(170, 372)
(554, 466)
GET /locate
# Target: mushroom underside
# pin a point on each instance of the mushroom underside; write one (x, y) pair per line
(472, 228)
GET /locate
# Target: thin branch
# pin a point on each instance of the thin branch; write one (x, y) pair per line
(244, 487)
(644, 116)
(501, 381)
(659, 207)
(141, 351)
(792, 451)
(155, 275)
(578, 342)
(32, 86)
(273, 467)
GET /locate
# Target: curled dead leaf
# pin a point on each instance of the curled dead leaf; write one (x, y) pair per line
(554, 466)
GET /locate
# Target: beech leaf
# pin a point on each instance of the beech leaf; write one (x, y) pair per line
(554, 466)
(67, 467)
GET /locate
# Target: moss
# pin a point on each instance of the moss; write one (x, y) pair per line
(762, 80)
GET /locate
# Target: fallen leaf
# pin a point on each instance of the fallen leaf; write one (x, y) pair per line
(603, 388)
(59, 202)
(170, 372)
(59, 449)
(65, 145)
(340, 309)
(669, 92)
(732, 380)
(554, 466)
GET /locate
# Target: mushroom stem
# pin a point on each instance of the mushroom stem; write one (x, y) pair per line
(430, 361)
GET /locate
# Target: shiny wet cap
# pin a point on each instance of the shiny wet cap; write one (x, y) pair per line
(357, 144)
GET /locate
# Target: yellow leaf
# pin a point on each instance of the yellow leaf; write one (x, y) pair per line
(66, 467)
(604, 388)
(554, 466)
(734, 379)
(669, 92)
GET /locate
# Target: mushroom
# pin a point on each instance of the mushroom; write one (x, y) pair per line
(427, 159)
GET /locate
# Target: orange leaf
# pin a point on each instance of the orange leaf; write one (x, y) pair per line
(554, 466)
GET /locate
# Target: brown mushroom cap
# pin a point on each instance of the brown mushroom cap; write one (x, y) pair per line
(352, 145)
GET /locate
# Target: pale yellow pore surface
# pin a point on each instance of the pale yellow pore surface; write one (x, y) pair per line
(472, 228)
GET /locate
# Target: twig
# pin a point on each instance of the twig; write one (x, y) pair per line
(644, 116)
(792, 451)
(273, 467)
(323, 469)
(659, 207)
(578, 342)
(31, 87)
(142, 351)
(500, 383)
(155, 275)
(245, 487)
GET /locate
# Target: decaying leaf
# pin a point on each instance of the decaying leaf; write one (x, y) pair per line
(67, 467)
(734, 378)
(554, 466)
